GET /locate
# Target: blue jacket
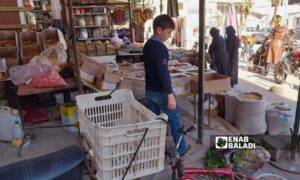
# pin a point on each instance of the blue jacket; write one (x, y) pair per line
(156, 56)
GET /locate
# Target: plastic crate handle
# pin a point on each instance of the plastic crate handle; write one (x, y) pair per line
(105, 97)
(163, 117)
(136, 132)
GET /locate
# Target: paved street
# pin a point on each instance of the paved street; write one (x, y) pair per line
(251, 81)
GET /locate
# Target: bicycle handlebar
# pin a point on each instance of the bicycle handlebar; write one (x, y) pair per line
(183, 131)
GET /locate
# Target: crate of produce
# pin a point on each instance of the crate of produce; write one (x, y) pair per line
(50, 37)
(91, 49)
(110, 48)
(29, 51)
(115, 125)
(28, 38)
(8, 39)
(81, 47)
(11, 55)
(100, 49)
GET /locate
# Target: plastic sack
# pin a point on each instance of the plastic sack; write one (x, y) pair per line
(49, 78)
(22, 74)
(213, 104)
(56, 55)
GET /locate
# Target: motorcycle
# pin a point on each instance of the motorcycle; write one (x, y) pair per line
(258, 59)
(289, 65)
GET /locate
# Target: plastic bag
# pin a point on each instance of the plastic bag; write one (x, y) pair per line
(56, 55)
(24, 73)
(49, 78)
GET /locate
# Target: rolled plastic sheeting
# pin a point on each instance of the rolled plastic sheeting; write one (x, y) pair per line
(250, 116)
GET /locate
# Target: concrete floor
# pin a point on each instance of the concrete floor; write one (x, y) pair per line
(50, 140)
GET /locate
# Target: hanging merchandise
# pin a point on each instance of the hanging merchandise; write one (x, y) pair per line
(139, 33)
(31, 18)
(140, 16)
(119, 17)
(28, 4)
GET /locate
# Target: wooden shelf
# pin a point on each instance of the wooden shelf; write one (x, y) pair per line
(92, 6)
(87, 14)
(13, 9)
(90, 26)
(14, 26)
(93, 39)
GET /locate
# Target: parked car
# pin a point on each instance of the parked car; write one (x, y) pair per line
(261, 34)
(248, 31)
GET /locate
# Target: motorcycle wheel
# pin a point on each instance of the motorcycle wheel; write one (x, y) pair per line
(279, 75)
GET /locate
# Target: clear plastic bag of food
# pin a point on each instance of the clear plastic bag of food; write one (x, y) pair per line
(56, 55)
(47, 79)
(24, 73)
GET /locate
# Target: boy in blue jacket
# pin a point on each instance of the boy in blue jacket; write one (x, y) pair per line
(159, 91)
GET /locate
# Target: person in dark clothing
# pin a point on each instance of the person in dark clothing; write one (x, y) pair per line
(232, 46)
(159, 91)
(218, 54)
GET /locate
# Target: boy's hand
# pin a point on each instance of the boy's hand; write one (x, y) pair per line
(171, 101)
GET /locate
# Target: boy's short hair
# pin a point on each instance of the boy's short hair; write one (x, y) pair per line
(163, 21)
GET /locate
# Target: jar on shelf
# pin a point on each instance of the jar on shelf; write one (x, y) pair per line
(106, 32)
(96, 33)
(90, 32)
(81, 21)
(84, 33)
(103, 20)
(98, 20)
(101, 32)
(90, 21)
(76, 10)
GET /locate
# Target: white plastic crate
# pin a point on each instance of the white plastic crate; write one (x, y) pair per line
(115, 128)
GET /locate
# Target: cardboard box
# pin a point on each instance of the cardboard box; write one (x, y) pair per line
(213, 82)
(137, 87)
(180, 83)
(109, 82)
(90, 69)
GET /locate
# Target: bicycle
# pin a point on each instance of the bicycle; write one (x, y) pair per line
(179, 172)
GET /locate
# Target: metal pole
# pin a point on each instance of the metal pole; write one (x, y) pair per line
(73, 36)
(200, 70)
(295, 136)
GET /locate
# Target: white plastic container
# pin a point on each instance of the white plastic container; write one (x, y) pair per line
(279, 118)
(8, 117)
(115, 128)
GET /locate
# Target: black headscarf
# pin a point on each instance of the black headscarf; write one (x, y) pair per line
(214, 32)
(230, 31)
